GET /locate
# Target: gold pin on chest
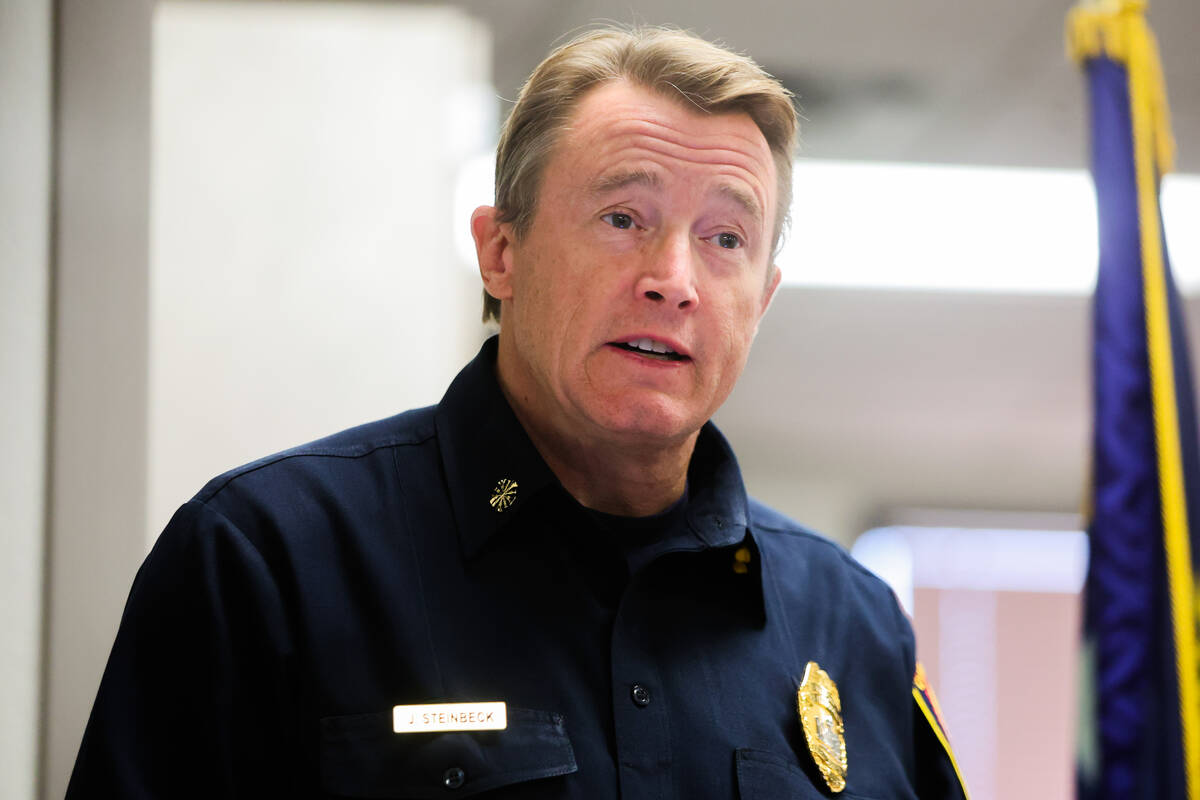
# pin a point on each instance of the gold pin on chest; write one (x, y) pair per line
(820, 710)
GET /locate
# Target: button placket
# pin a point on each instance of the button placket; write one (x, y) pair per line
(643, 738)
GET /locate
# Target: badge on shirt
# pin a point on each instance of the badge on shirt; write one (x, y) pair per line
(436, 717)
(820, 710)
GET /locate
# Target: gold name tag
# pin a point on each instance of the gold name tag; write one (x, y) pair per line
(450, 717)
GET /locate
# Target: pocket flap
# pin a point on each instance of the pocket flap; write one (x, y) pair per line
(362, 757)
(766, 776)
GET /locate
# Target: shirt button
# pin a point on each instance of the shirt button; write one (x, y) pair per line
(454, 777)
(640, 695)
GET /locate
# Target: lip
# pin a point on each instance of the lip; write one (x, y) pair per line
(668, 341)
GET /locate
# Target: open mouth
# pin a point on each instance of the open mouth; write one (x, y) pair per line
(651, 349)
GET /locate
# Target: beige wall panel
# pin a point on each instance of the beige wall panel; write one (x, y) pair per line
(99, 407)
(25, 119)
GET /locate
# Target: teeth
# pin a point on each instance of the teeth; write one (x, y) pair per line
(650, 346)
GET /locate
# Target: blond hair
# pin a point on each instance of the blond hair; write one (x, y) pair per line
(672, 62)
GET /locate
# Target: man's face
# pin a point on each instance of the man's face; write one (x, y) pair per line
(637, 291)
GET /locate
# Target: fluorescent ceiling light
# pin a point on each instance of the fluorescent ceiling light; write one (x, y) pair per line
(904, 226)
(910, 226)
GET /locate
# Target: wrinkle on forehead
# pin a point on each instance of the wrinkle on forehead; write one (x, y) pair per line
(701, 147)
(613, 152)
(620, 130)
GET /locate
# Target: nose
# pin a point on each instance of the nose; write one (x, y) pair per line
(669, 276)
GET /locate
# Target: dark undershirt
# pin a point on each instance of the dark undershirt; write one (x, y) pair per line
(641, 539)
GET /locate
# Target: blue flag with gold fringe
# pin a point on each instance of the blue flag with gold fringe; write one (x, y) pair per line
(1139, 699)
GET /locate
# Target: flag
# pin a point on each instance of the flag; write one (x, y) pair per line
(1139, 733)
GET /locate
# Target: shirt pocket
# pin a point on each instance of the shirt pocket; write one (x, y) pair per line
(362, 757)
(766, 776)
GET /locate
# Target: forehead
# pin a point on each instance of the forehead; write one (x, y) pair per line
(619, 127)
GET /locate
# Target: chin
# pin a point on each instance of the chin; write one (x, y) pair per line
(658, 421)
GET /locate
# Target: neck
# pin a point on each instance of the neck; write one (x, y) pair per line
(626, 476)
(631, 483)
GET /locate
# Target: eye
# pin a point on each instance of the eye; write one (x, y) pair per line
(618, 220)
(727, 240)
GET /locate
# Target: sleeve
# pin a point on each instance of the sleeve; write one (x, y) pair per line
(196, 698)
(938, 776)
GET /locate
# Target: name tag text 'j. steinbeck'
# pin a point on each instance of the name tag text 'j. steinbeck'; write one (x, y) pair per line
(450, 717)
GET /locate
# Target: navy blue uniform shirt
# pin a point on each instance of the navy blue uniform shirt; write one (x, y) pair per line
(433, 557)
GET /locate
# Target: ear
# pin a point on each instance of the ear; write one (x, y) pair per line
(493, 248)
(769, 289)
(768, 294)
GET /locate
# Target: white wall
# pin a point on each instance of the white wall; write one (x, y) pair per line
(303, 274)
(25, 117)
(266, 260)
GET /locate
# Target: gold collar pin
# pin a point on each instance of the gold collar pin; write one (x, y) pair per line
(504, 495)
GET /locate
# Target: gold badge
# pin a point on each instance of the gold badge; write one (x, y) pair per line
(820, 710)
(504, 495)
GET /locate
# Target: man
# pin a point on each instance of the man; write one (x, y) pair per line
(552, 584)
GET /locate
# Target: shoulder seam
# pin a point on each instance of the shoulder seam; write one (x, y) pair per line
(838, 550)
(250, 469)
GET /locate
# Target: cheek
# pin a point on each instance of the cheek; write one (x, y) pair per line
(537, 287)
(741, 313)
(557, 314)
(739, 321)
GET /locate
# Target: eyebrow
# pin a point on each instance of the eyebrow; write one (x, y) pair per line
(619, 180)
(641, 177)
(744, 199)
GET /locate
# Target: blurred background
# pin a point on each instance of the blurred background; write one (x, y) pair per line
(230, 227)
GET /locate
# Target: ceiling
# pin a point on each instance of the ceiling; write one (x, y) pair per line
(941, 81)
(905, 398)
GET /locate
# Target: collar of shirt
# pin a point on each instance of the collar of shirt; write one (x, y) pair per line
(493, 471)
